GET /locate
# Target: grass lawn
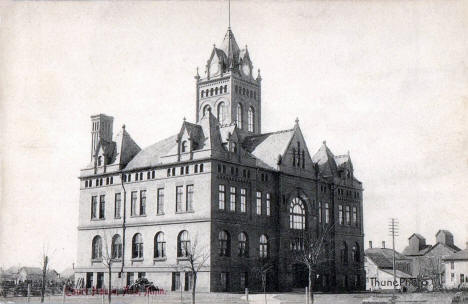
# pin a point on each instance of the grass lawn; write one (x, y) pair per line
(230, 298)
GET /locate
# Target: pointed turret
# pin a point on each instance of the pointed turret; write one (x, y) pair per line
(230, 48)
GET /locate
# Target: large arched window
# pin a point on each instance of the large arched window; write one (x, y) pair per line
(243, 245)
(206, 110)
(263, 249)
(251, 117)
(96, 253)
(221, 112)
(344, 253)
(159, 245)
(239, 116)
(137, 246)
(224, 243)
(355, 254)
(297, 214)
(183, 244)
(116, 249)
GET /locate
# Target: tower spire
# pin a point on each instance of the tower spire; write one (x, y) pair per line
(229, 13)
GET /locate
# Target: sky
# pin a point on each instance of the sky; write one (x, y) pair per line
(385, 80)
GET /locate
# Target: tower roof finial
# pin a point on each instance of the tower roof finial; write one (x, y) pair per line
(229, 14)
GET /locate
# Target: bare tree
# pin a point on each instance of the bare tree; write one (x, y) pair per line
(197, 257)
(311, 251)
(108, 259)
(263, 266)
(45, 262)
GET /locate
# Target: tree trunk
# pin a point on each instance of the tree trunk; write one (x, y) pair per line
(109, 295)
(44, 274)
(194, 286)
(311, 294)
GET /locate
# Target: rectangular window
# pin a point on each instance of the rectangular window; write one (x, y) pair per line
(327, 213)
(233, 198)
(452, 265)
(223, 280)
(117, 206)
(268, 204)
(201, 167)
(160, 207)
(93, 207)
(340, 215)
(355, 222)
(462, 278)
(259, 203)
(243, 280)
(221, 197)
(243, 200)
(190, 197)
(179, 199)
(143, 202)
(348, 215)
(452, 277)
(320, 212)
(133, 203)
(102, 206)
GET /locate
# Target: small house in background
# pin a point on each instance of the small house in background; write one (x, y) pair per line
(456, 269)
(427, 260)
(378, 264)
(34, 274)
(68, 275)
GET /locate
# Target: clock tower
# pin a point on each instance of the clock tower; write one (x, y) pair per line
(228, 89)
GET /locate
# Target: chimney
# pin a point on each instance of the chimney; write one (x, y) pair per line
(383, 244)
(370, 244)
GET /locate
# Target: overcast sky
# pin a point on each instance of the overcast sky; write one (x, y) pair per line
(386, 80)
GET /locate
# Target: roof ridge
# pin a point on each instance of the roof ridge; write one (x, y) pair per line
(270, 133)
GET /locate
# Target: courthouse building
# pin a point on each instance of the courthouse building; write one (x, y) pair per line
(243, 195)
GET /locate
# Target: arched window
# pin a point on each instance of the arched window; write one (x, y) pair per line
(294, 157)
(225, 88)
(96, 248)
(263, 252)
(344, 253)
(355, 254)
(99, 161)
(243, 245)
(211, 92)
(297, 214)
(207, 92)
(221, 113)
(206, 110)
(216, 91)
(202, 93)
(116, 249)
(251, 120)
(137, 246)
(239, 116)
(183, 244)
(224, 243)
(159, 245)
(184, 146)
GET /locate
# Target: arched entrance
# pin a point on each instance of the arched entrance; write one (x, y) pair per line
(300, 276)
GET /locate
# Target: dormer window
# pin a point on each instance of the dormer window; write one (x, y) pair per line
(99, 161)
(184, 146)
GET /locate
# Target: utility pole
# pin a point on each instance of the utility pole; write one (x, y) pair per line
(393, 229)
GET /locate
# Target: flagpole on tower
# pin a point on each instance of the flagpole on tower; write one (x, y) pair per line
(229, 4)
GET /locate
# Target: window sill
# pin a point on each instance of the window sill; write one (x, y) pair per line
(182, 212)
(116, 260)
(143, 215)
(182, 258)
(97, 219)
(161, 259)
(118, 218)
(137, 260)
(96, 260)
(161, 213)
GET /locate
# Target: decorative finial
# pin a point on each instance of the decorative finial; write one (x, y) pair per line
(297, 120)
(184, 119)
(123, 126)
(214, 45)
(324, 142)
(197, 72)
(246, 46)
(348, 152)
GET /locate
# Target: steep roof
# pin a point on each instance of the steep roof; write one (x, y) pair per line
(383, 257)
(32, 270)
(458, 256)
(267, 147)
(399, 273)
(230, 47)
(150, 156)
(425, 249)
(325, 160)
(125, 147)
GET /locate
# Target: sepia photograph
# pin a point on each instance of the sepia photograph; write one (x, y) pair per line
(234, 151)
